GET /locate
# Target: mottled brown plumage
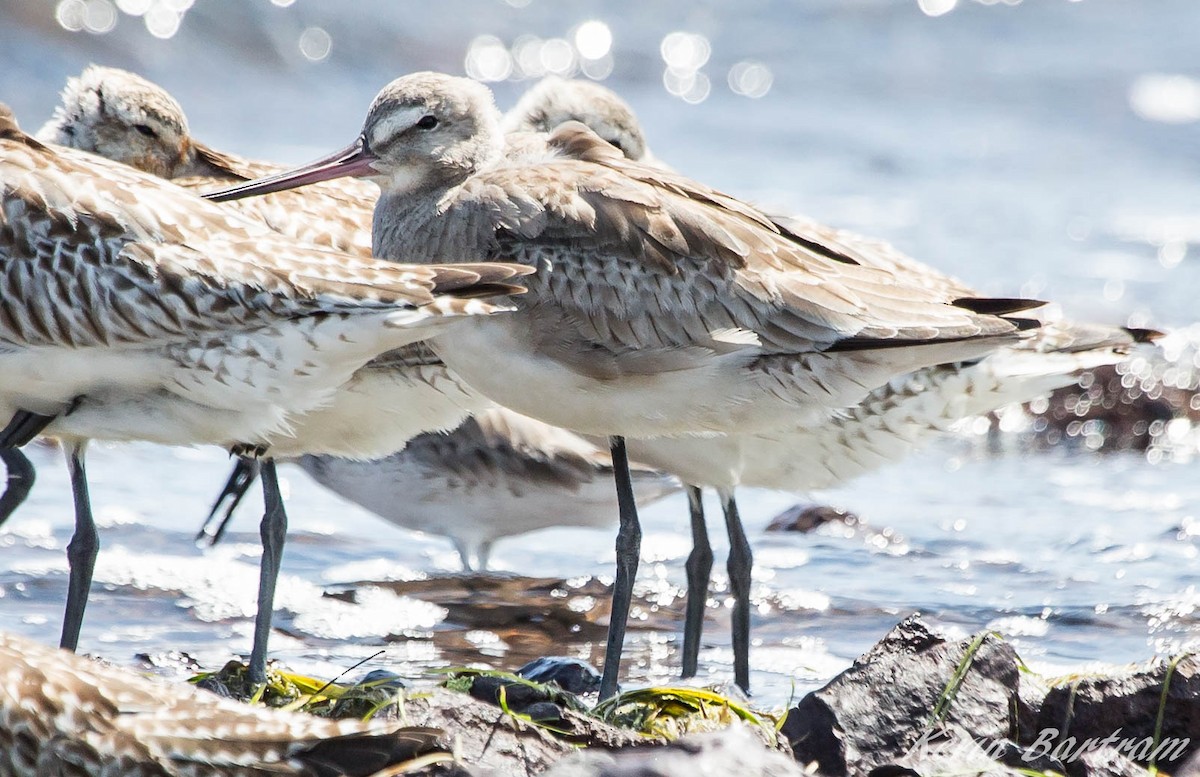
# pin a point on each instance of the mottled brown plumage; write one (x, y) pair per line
(61, 715)
(124, 117)
(662, 306)
(130, 309)
(497, 475)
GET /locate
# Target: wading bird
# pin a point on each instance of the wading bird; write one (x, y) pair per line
(663, 307)
(131, 309)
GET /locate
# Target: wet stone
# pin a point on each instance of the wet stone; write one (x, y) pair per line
(1127, 708)
(570, 674)
(214, 685)
(876, 711)
(732, 751)
(486, 737)
(806, 518)
(1105, 762)
(949, 749)
(376, 695)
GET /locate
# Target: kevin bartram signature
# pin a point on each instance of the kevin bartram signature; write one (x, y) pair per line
(1050, 744)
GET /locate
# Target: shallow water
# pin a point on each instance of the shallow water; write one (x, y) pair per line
(1042, 148)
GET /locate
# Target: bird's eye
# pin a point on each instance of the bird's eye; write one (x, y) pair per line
(146, 130)
(617, 145)
(427, 122)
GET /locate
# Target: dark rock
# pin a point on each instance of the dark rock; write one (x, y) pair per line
(875, 711)
(1126, 708)
(485, 736)
(364, 754)
(504, 692)
(592, 732)
(545, 712)
(1110, 406)
(175, 660)
(382, 678)
(1128, 406)
(893, 770)
(570, 674)
(950, 749)
(1105, 762)
(214, 685)
(733, 751)
(1030, 697)
(1191, 768)
(377, 694)
(1018, 757)
(805, 518)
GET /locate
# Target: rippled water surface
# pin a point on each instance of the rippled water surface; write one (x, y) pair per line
(1039, 148)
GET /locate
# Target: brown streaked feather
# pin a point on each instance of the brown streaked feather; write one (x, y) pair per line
(160, 263)
(679, 261)
(65, 714)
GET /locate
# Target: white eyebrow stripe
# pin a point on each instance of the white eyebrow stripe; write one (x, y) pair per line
(395, 123)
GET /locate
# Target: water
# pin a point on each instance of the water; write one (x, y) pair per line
(1043, 148)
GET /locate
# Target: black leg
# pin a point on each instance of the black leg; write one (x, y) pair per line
(81, 552)
(699, 570)
(464, 556)
(629, 549)
(740, 563)
(23, 427)
(21, 475)
(273, 531)
(482, 556)
(245, 472)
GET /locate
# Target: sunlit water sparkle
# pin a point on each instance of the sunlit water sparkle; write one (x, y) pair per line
(1003, 142)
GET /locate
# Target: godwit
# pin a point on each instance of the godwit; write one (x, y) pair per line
(498, 475)
(132, 310)
(127, 118)
(63, 714)
(121, 116)
(663, 307)
(554, 101)
(894, 419)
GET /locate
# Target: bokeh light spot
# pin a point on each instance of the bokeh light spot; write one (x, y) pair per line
(134, 7)
(936, 7)
(70, 14)
(685, 51)
(488, 59)
(315, 44)
(593, 39)
(1171, 99)
(750, 79)
(161, 21)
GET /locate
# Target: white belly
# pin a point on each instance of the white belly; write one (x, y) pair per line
(246, 387)
(713, 394)
(379, 410)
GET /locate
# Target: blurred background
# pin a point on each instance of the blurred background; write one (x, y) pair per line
(1046, 148)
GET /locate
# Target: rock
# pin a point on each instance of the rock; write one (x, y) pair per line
(213, 685)
(1105, 762)
(805, 518)
(377, 694)
(1108, 405)
(733, 751)
(485, 736)
(1191, 768)
(570, 674)
(1131, 405)
(1126, 708)
(949, 749)
(834, 520)
(875, 711)
(505, 692)
(1030, 696)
